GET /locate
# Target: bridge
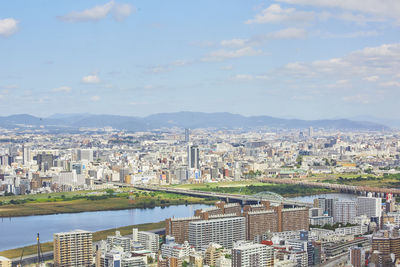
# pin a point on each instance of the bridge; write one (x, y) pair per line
(243, 199)
(358, 190)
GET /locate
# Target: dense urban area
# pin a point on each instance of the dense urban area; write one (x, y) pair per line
(249, 179)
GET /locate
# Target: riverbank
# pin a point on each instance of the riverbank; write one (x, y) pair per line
(97, 236)
(120, 201)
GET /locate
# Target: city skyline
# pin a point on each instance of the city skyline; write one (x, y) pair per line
(286, 58)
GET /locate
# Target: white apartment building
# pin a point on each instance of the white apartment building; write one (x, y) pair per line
(344, 212)
(370, 206)
(222, 231)
(247, 254)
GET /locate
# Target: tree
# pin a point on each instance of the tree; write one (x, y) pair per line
(109, 191)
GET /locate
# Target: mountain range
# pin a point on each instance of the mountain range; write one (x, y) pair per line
(219, 120)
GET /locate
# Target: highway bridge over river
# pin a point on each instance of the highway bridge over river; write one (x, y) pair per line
(243, 199)
(358, 190)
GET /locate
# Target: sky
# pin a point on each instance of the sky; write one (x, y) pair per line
(307, 59)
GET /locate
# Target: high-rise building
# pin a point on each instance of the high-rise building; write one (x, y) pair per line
(85, 154)
(357, 256)
(44, 161)
(246, 254)
(150, 241)
(179, 228)
(370, 206)
(73, 249)
(123, 172)
(326, 204)
(187, 135)
(344, 211)
(26, 154)
(385, 243)
(119, 241)
(223, 231)
(193, 157)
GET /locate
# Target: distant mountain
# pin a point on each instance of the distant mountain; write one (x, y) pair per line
(182, 120)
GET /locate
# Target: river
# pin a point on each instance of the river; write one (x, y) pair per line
(21, 231)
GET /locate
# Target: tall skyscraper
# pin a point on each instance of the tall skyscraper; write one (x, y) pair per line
(26, 154)
(73, 249)
(193, 157)
(187, 135)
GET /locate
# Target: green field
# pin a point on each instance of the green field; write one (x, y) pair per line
(97, 236)
(385, 181)
(251, 188)
(80, 202)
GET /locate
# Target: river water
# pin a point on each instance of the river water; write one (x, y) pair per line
(21, 231)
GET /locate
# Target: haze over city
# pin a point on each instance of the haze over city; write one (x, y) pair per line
(213, 133)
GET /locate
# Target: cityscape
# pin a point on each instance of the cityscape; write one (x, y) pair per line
(199, 133)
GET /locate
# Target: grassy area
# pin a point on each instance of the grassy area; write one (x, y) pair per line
(97, 236)
(386, 181)
(251, 188)
(117, 201)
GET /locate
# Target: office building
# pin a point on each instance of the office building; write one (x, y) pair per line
(223, 231)
(26, 154)
(187, 135)
(44, 161)
(85, 154)
(193, 157)
(344, 212)
(73, 249)
(246, 254)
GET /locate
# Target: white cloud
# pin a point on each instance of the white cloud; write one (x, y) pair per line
(373, 78)
(358, 99)
(234, 43)
(65, 89)
(276, 14)
(117, 10)
(223, 54)
(250, 77)
(244, 77)
(382, 61)
(382, 8)
(390, 84)
(227, 67)
(91, 79)
(359, 34)
(289, 33)
(8, 26)
(95, 98)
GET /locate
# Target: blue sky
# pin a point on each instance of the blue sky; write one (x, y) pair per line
(307, 59)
